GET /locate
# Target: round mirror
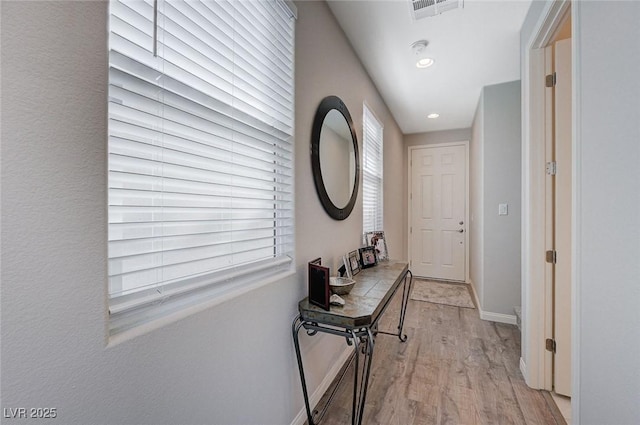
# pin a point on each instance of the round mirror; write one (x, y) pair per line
(334, 158)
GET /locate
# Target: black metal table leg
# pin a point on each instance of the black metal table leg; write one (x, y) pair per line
(366, 372)
(296, 342)
(406, 292)
(356, 369)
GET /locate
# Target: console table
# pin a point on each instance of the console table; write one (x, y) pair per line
(357, 322)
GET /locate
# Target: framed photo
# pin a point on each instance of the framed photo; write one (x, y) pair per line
(354, 262)
(346, 266)
(368, 256)
(378, 241)
(319, 293)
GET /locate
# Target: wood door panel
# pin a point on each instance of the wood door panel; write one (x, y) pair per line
(426, 257)
(562, 218)
(427, 193)
(438, 206)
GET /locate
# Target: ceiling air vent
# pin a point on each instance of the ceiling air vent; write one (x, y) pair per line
(424, 8)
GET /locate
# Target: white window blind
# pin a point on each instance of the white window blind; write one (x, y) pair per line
(200, 145)
(372, 173)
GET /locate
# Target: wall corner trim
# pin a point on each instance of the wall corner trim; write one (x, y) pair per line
(523, 369)
(510, 319)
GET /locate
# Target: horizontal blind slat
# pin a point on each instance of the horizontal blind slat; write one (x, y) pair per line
(215, 161)
(149, 99)
(132, 214)
(121, 303)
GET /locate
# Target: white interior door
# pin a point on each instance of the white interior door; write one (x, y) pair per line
(562, 272)
(438, 203)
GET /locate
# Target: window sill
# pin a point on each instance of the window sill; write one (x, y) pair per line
(136, 323)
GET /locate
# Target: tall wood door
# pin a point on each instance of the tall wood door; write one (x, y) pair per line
(438, 203)
(562, 219)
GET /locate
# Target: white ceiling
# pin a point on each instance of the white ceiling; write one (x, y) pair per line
(473, 47)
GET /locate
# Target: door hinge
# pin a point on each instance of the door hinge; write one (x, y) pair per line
(552, 257)
(552, 168)
(411, 230)
(550, 345)
(550, 80)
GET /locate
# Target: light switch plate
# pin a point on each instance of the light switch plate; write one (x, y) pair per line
(503, 209)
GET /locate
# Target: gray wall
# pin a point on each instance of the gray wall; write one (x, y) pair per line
(320, 46)
(433, 137)
(607, 241)
(495, 254)
(232, 363)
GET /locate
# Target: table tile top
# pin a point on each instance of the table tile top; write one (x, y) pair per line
(366, 301)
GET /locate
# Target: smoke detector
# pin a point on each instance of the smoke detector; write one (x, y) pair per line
(425, 8)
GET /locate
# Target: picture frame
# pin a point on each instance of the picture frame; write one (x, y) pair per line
(379, 242)
(319, 290)
(346, 266)
(368, 256)
(317, 261)
(354, 262)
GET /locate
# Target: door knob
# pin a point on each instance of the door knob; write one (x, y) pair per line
(461, 223)
(461, 231)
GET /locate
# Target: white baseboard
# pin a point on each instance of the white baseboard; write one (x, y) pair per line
(510, 319)
(314, 398)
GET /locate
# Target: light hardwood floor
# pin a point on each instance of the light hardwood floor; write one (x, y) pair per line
(454, 369)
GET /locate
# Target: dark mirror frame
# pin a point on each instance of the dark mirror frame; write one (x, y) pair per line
(327, 104)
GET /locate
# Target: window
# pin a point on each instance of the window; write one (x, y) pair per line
(200, 146)
(372, 173)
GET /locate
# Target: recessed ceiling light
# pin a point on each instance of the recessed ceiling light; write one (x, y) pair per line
(425, 63)
(432, 116)
(419, 50)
